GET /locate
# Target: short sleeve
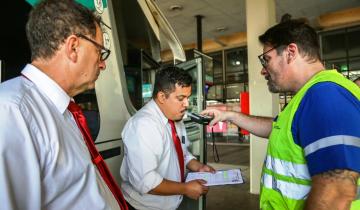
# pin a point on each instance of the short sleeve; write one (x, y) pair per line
(327, 126)
(142, 139)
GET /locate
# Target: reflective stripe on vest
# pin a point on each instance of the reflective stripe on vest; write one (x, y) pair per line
(287, 189)
(331, 141)
(287, 168)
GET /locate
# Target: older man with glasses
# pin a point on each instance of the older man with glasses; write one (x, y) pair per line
(103, 52)
(48, 159)
(313, 154)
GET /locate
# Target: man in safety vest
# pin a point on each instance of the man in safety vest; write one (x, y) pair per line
(313, 155)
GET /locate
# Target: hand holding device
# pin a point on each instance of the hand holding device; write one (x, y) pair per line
(199, 118)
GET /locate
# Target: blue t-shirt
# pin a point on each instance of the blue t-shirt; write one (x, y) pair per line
(327, 126)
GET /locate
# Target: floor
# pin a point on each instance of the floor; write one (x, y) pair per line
(231, 197)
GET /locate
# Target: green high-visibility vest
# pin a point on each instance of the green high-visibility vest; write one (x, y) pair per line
(286, 182)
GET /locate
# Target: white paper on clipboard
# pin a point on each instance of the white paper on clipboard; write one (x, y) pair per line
(221, 177)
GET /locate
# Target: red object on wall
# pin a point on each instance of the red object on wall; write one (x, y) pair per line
(245, 108)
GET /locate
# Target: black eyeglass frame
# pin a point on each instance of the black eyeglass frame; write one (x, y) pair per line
(104, 52)
(262, 60)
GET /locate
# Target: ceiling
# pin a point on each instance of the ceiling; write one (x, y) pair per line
(230, 14)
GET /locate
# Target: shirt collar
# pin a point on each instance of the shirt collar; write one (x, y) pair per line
(163, 118)
(48, 86)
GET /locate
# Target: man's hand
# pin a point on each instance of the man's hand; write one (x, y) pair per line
(195, 165)
(196, 188)
(217, 114)
(207, 168)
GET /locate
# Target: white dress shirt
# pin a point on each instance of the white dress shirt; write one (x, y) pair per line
(150, 156)
(44, 162)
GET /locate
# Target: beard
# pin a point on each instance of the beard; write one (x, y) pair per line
(273, 88)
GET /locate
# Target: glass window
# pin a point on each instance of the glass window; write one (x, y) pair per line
(215, 92)
(209, 69)
(354, 42)
(334, 45)
(140, 77)
(218, 67)
(354, 64)
(354, 68)
(338, 64)
(236, 61)
(139, 50)
(193, 106)
(233, 90)
(134, 36)
(236, 77)
(284, 99)
(341, 50)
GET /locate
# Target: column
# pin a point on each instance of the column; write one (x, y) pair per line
(260, 15)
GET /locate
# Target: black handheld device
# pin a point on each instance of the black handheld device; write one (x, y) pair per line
(199, 118)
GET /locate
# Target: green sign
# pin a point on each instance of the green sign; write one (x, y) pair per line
(87, 3)
(343, 68)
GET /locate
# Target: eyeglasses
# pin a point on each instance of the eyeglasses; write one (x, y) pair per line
(104, 53)
(263, 60)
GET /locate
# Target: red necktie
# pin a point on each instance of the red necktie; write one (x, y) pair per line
(95, 156)
(178, 148)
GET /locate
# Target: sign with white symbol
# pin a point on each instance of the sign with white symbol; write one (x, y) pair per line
(106, 40)
(99, 6)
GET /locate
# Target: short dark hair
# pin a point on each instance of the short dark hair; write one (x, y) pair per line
(52, 21)
(293, 31)
(168, 77)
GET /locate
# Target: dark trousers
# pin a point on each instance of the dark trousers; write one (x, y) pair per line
(130, 207)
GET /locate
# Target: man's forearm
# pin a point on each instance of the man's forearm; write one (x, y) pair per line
(259, 126)
(193, 189)
(167, 187)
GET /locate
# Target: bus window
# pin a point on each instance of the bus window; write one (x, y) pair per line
(139, 50)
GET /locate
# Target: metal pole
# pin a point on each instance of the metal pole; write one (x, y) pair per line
(199, 31)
